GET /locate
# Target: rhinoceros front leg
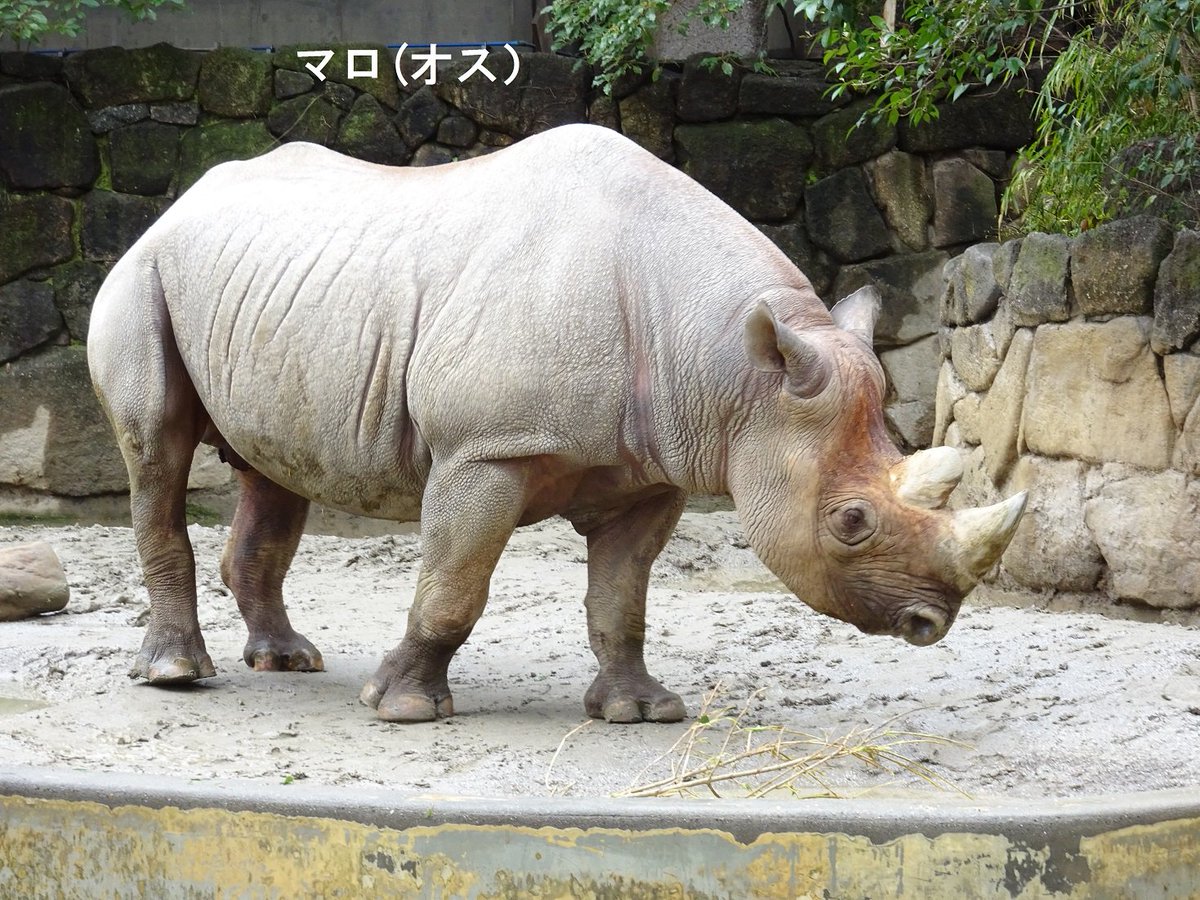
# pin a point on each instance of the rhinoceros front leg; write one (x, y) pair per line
(469, 511)
(266, 531)
(620, 553)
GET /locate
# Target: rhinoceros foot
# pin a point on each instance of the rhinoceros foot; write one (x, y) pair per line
(632, 700)
(292, 653)
(172, 662)
(406, 706)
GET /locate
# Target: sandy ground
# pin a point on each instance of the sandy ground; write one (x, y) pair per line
(1043, 704)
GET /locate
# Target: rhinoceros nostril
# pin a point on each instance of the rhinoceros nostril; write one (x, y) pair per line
(923, 628)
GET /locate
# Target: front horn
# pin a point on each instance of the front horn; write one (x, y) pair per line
(926, 478)
(980, 536)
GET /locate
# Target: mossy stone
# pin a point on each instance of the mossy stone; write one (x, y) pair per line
(218, 142)
(383, 87)
(419, 117)
(235, 82)
(45, 141)
(842, 218)
(846, 138)
(1037, 289)
(27, 317)
(144, 157)
(75, 286)
(311, 119)
(113, 222)
(1177, 296)
(113, 76)
(367, 132)
(290, 84)
(35, 231)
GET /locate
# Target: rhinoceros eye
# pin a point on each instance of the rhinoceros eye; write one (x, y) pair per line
(853, 522)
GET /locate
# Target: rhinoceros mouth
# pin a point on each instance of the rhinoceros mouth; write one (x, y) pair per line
(924, 625)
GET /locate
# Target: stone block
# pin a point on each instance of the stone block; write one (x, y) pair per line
(648, 117)
(433, 155)
(950, 389)
(1148, 528)
(35, 231)
(705, 92)
(112, 222)
(144, 157)
(976, 355)
(53, 435)
(1094, 393)
(419, 117)
(218, 142)
(105, 119)
(901, 186)
(185, 112)
(798, 89)
(28, 317)
(843, 219)
(850, 136)
(289, 84)
(1177, 295)
(1000, 431)
(45, 141)
(75, 286)
(236, 82)
(305, 119)
(793, 241)
(114, 76)
(1052, 548)
(383, 87)
(457, 131)
(1114, 266)
(1003, 261)
(967, 418)
(340, 95)
(1001, 120)
(367, 132)
(912, 373)
(1181, 375)
(972, 293)
(908, 285)
(758, 168)
(32, 581)
(1037, 290)
(965, 207)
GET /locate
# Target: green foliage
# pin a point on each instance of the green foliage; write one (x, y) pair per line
(615, 36)
(27, 21)
(1117, 72)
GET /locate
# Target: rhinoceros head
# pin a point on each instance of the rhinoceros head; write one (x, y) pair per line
(830, 505)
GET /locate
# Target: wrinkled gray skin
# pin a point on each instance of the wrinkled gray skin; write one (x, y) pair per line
(569, 327)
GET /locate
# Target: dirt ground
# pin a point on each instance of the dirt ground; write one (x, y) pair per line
(1042, 704)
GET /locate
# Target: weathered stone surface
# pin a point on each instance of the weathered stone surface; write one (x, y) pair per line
(965, 207)
(419, 117)
(971, 290)
(218, 142)
(1114, 266)
(340, 95)
(976, 355)
(1177, 295)
(842, 218)
(603, 111)
(289, 84)
(850, 136)
(32, 66)
(75, 286)
(367, 132)
(113, 76)
(104, 120)
(433, 155)
(35, 231)
(950, 390)
(144, 157)
(1148, 528)
(491, 104)
(1181, 375)
(32, 581)
(235, 82)
(1187, 446)
(1037, 290)
(383, 87)
(312, 119)
(457, 131)
(45, 140)
(993, 162)
(758, 168)
(799, 89)
(495, 139)
(648, 117)
(705, 92)
(1001, 120)
(1003, 261)
(1093, 393)
(182, 113)
(53, 435)
(207, 470)
(681, 32)
(113, 222)
(1000, 413)
(794, 242)
(909, 286)
(27, 317)
(901, 187)
(912, 373)
(553, 91)
(1052, 547)
(967, 418)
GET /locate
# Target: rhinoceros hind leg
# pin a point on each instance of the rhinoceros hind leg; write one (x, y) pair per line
(266, 531)
(620, 553)
(469, 513)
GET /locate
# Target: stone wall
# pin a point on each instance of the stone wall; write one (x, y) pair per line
(1071, 369)
(94, 147)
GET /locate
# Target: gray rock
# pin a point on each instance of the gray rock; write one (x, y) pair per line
(32, 581)
(340, 95)
(909, 286)
(433, 155)
(27, 317)
(419, 117)
(976, 355)
(113, 76)
(290, 84)
(45, 141)
(973, 293)
(705, 92)
(183, 113)
(965, 207)
(367, 132)
(1177, 296)
(75, 286)
(144, 157)
(603, 111)
(54, 435)
(235, 82)
(1000, 413)
(1037, 290)
(553, 90)
(112, 222)
(994, 162)
(36, 232)
(31, 66)
(758, 168)
(794, 242)
(849, 136)
(901, 186)
(104, 120)
(648, 116)
(218, 142)
(312, 119)
(912, 373)
(1114, 266)
(1003, 261)
(457, 131)
(842, 218)
(383, 87)
(1001, 120)
(799, 89)
(495, 139)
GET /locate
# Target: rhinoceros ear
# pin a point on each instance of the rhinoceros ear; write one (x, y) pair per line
(774, 347)
(857, 313)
